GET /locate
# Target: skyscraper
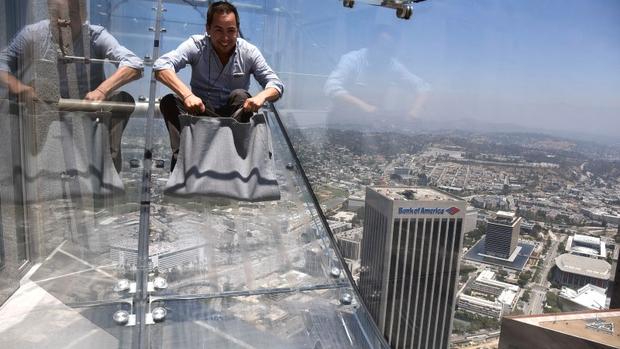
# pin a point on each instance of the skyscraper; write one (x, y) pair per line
(409, 263)
(502, 235)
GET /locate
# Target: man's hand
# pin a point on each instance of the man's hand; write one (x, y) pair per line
(27, 93)
(355, 102)
(193, 104)
(95, 95)
(253, 104)
(368, 108)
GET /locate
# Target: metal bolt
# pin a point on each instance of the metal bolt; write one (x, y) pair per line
(159, 314)
(335, 272)
(160, 283)
(121, 317)
(121, 285)
(346, 299)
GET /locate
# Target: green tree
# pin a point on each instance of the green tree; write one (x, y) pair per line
(524, 278)
(553, 303)
(526, 296)
(502, 274)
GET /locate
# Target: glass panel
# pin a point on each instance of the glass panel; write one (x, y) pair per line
(134, 255)
(82, 211)
(417, 138)
(73, 120)
(213, 251)
(207, 246)
(311, 319)
(13, 253)
(243, 246)
(459, 100)
(53, 324)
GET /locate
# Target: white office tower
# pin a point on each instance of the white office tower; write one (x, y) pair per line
(409, 264)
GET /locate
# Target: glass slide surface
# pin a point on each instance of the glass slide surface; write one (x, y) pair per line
(433, 172)
(93, 252)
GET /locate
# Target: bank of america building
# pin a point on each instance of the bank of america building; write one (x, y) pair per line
(409, 263)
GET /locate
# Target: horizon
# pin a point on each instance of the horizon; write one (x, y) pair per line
(492, 128)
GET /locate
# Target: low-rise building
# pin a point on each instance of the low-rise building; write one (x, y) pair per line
(486, 283)
(601, 215)
(344, 216)
(471, 219)
(505, 295)
(481, 306)
(588, 297)
(338, 226)
(576, 271)
(349, 242)
(354, 203)
(585, 245)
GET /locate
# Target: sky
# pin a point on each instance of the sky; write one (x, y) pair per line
(551, 65)
(539, 65)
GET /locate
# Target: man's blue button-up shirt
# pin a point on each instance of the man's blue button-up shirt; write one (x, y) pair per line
(210, 80)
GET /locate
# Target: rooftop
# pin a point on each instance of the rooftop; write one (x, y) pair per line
(488, 277)
(504, 217)
(585, 266)
(579, 325)
(414, 193)
(508, 296)
(477, 254)
(505, 214)
(586, 245)
(589, 296)
(480, 301)
(351, 234)
(586, 239)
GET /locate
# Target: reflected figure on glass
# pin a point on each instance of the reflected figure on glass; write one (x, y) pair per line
(62, 58)
(372, 89)
(222, 64)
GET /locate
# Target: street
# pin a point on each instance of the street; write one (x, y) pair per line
(539, 287)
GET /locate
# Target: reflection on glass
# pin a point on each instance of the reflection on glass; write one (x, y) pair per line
(518, 121)
(221, 272)
(51, 60)
(208, 271)
(62, 131)
(372, 89)
(312, 319)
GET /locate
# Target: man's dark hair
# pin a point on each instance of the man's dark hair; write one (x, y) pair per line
(221, 7)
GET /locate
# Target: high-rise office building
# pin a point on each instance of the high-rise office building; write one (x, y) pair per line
(409, 264)
(502, 235)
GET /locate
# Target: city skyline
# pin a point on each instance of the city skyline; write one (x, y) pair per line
(555, 202)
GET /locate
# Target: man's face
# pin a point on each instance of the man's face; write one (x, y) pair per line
(382, 47)
(74, 10)
(223, 32)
